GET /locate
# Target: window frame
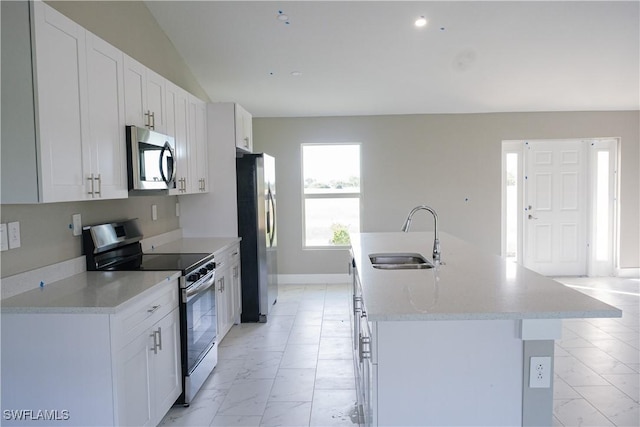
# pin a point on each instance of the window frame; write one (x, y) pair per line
(342, 195)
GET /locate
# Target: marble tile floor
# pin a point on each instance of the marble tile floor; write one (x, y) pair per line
(297, 369)
(597, 362)
(294, 370)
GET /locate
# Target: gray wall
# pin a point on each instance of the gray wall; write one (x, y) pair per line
(450, 162)
(46, 238)
(129, 26)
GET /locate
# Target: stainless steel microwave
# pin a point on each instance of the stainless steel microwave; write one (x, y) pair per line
(151, 160)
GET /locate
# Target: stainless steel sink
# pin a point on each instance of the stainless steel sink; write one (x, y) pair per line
(399, 261)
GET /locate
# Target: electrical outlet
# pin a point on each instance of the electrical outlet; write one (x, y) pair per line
(177, 209)
(4, 246)
(76, 219)
(14, 235)
(540, 372)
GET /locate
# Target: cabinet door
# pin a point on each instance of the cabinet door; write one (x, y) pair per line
(176, 124)
(236, 288)
(135, 92)
(105, 81)
(60, 64)
(201, 147)
(134, 382)
(222, 304)
(156, 101)
(244, 132)
(166, 373)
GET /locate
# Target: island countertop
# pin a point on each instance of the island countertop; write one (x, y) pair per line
(469, 285)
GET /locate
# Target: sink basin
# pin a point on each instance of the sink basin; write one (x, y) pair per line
(399, 261)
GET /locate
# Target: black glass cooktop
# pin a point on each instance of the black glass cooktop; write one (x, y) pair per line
(160, 262)
(184, 262)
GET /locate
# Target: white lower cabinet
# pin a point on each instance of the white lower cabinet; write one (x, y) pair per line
(365, 357)
(95, 369)
(411, 373)
(148, 373)
(228, 287)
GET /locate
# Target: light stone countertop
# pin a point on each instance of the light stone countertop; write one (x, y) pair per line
(195, 245)
(92, 292)
(470, 285)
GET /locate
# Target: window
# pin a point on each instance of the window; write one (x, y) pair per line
(331, 193)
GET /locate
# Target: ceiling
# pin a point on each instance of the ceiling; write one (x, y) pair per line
(338, 58)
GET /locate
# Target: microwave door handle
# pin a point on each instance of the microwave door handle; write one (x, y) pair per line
(166, 179)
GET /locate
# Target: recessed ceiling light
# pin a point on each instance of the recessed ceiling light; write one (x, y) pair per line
(421, 22)
(296, 73)
(283, 17)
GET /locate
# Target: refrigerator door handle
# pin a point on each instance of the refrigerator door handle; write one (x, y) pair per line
(271, 217)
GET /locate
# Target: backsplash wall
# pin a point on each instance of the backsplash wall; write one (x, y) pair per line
(47, 239)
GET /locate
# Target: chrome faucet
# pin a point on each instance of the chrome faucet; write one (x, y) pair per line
(436, 240)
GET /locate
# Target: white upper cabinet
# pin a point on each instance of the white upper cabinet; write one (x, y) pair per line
(61, 105)
(105, 77)
(186, 121)
(144, 92)
(244, 129)
(199, 163)
(176, 121)
(78, 113)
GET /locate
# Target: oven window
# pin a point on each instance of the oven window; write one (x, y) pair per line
(201, 325)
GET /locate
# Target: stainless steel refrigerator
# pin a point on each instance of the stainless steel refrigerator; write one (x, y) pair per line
(256, 185)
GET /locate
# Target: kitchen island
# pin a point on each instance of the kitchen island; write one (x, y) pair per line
(452, 345)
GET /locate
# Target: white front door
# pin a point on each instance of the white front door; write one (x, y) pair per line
(555, 216)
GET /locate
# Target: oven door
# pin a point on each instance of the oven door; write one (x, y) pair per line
(201, 319)
(151, 160)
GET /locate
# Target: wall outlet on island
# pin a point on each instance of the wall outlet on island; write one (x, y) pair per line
(540, 372)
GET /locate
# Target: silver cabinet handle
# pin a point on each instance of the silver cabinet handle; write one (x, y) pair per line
(365, 341)
(155, 343)
(148, 121)
(153, 309)
(356, 307)
(90, 179)
(153, 120)
(220, 284)
(246, 141)
(99, 179)
(159, 338)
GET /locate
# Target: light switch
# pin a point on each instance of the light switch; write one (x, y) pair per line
(177, 209)
(4, 246)
(14, 235)
(154, 212)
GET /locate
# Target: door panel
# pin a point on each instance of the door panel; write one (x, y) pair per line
(555, 218)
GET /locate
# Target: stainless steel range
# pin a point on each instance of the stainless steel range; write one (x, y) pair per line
(116, 246)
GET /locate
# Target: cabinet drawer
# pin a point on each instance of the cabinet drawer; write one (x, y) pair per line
(143, 314)
(224, 259)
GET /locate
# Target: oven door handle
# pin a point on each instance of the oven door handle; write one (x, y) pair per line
(193, 291)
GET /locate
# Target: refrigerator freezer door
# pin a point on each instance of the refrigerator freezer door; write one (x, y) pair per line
(257, 227)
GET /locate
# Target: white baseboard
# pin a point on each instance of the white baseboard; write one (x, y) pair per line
(290, 279)
(628, 272)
